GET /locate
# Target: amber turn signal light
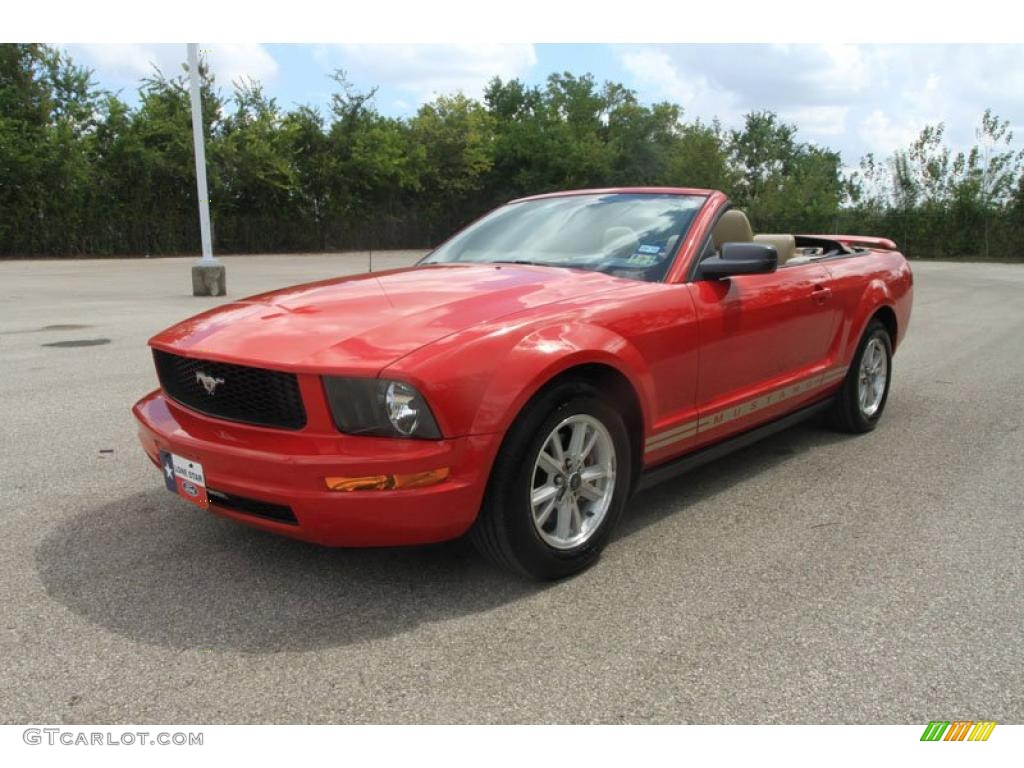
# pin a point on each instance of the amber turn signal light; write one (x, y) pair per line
(387, 482)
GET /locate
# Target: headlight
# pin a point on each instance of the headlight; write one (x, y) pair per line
(379, 407)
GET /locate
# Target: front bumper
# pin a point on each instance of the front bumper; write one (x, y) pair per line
(288, 469)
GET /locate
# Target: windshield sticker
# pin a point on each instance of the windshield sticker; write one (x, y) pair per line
(651, 249)
(642, 259)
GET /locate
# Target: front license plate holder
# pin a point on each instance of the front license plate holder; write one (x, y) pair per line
(185, 477)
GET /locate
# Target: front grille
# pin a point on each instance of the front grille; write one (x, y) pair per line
(278, 512)
(240, 393)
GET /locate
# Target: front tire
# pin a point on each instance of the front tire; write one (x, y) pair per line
(861, 401)
(558, 486)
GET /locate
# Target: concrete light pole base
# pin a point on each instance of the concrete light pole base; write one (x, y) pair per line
(209, 278)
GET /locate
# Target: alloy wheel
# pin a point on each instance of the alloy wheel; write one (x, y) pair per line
(573, 481)
(871, 379)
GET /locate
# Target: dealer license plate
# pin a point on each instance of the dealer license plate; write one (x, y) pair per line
(185, 478)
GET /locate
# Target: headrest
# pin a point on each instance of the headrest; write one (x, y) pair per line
(784, 244)
(733, 227)
(621, 239)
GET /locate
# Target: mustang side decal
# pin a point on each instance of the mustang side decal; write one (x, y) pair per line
(716, 419)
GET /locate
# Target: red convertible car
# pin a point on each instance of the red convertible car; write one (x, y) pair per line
(526, 377)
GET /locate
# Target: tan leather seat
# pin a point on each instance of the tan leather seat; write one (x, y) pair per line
(733, 227)
(784, 244)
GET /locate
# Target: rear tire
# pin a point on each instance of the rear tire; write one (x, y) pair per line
(550, 506)
(861, 401)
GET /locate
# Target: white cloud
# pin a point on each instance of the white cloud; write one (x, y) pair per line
(233, 61)
(846, 69)
(423, 71)
(125, 64)
(659, 77)
(120, 61)
(818, 122)
(655, 68)
(854, 98)
(883, 134)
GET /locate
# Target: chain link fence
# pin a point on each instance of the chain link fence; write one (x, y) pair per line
(969, 236)
(918, 234)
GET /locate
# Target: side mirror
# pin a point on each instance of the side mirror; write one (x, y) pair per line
(740, 259)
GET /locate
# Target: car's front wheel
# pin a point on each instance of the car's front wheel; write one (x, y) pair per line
(559, 484)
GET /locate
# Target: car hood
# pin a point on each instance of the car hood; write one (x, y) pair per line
(366, 322)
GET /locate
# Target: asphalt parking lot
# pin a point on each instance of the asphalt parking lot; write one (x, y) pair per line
(813, 578)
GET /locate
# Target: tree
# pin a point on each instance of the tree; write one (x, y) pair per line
(522, 144)
(368, 166)
(258, 183)
(84, 173)
(641, 140)
(307, 150)
(764, 153)
(1015, 220)
(162, 126)
(455, 138)
(784, 184)
(699, 157)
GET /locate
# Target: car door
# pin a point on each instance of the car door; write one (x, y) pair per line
(764, 345)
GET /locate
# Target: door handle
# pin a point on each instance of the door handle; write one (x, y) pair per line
(821, 294)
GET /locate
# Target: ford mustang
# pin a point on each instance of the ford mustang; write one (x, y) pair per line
(526, 377)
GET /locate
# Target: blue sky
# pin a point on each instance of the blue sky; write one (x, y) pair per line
(854, 98)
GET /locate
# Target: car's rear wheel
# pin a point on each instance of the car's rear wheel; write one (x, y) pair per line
(862, 399)
(559, 484)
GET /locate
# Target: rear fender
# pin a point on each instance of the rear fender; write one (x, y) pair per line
(875, 296)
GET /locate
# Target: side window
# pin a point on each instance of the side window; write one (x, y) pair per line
(709, 249)
(705, 253)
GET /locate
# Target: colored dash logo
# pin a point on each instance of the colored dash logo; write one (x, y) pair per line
(958, 730)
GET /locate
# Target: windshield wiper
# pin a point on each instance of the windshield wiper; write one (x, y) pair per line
(527, 262)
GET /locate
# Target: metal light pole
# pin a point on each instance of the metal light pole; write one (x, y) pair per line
(209, 277)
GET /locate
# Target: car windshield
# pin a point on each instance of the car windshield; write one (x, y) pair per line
(629, 235)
